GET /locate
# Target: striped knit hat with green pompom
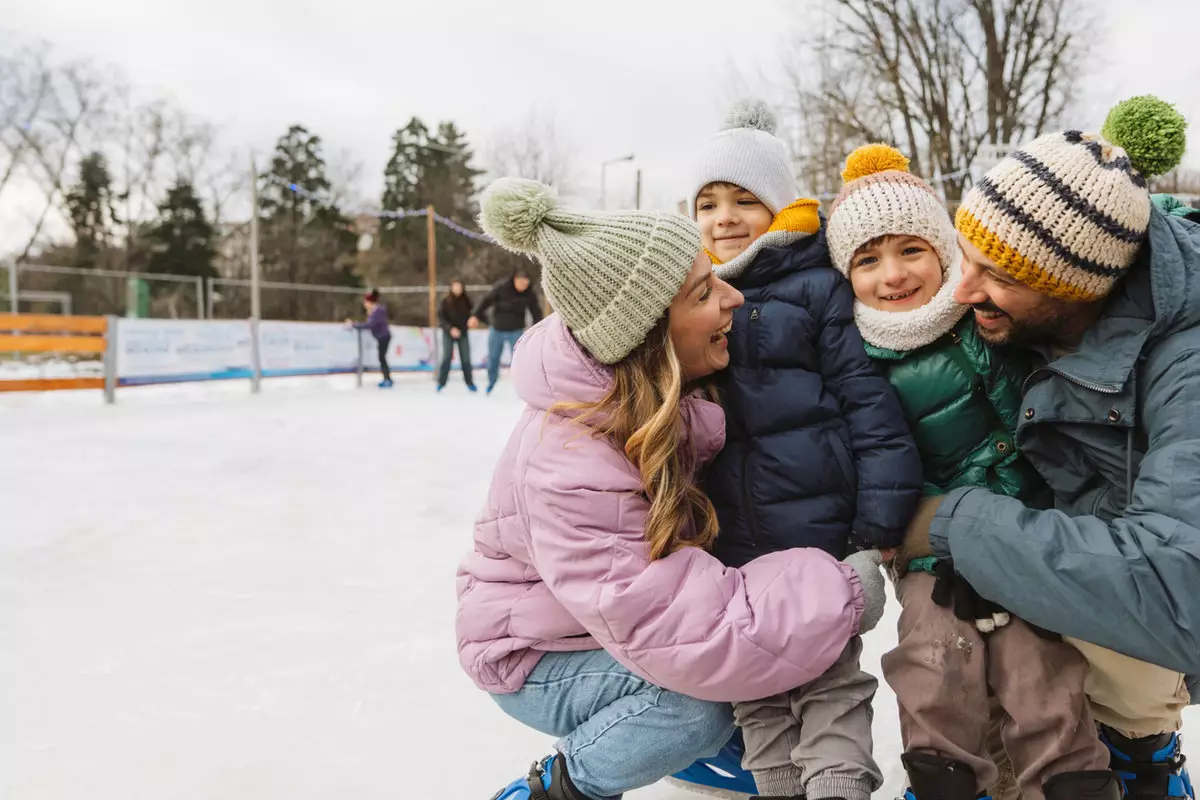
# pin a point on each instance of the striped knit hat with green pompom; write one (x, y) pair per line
(610, 276)
(1067, 213)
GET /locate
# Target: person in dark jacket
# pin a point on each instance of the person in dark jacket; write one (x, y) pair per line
(817, 453)
(377, 324)
(1066, 255)
(453, 315)
(891, 236)
(509, 300)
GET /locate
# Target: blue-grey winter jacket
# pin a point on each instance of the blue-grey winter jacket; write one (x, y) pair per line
(1114, 427)
(816, 447)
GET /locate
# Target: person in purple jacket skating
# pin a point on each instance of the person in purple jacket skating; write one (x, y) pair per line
(377, 324)
(590, 608)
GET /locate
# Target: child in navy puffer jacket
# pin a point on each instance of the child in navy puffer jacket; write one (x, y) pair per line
(817, 452)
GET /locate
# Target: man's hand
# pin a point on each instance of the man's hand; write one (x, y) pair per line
(473, 322)
(455, 333)
(916, 539)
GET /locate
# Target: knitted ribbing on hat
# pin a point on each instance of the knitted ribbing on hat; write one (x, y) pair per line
(747, 154)
(801, 218)
(610, 276)
(1067, 213)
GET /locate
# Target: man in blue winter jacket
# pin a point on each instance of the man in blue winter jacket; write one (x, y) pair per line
(1066, 255)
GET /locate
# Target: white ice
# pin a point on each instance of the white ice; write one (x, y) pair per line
(207, 594)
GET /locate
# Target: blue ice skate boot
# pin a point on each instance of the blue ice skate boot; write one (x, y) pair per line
(387, 384)
(547, 780)
(472, 388)
(1151, 767)
(721, 775)
(934, 777)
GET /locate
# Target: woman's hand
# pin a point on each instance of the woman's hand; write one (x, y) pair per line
(473, 322)
(866, 564)
(455, 333)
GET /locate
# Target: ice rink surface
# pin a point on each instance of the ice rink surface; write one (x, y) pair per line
(208, 594)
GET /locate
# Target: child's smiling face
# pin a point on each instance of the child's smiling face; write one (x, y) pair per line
(730, 219)
(896, 273)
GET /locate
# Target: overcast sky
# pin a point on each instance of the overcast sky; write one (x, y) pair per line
(651, 77)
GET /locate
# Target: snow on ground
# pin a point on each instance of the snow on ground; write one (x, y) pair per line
(208, 594)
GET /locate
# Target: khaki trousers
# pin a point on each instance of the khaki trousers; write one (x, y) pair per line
(1133, 697)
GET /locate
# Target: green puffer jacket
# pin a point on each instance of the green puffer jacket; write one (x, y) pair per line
(962, 400)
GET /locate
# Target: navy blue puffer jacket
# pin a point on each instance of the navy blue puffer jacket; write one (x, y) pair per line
(817, 452)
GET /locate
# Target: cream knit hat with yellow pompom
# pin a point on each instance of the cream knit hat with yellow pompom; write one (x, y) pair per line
(1067, 213)
(882, 198)
(610, 276)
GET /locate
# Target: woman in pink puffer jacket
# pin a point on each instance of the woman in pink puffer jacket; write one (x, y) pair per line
(589, 607)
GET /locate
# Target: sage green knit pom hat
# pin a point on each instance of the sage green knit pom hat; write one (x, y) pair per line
(609, 275)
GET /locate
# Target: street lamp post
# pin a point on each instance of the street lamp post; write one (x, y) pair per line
(603, 167)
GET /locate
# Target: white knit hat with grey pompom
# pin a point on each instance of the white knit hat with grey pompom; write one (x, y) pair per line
(609, 275)
(747, 153)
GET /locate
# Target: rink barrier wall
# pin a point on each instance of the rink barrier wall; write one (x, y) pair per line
(143, 352)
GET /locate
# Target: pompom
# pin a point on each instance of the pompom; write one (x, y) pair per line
(754, 114)
(1150, 131)
(514, 209)
(872, 158)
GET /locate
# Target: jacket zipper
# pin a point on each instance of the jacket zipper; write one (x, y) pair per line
(748, 506)
(747, 502)
(1095, 387)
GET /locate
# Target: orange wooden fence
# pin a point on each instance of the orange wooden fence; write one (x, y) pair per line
(51, 333)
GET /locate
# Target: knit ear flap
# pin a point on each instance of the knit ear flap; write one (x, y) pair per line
(872, 158)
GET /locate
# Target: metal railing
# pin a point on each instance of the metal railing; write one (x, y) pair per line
(93, 291)
(71, 280)
(32, 296)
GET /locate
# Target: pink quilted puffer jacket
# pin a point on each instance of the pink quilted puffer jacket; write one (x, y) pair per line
(559, 561)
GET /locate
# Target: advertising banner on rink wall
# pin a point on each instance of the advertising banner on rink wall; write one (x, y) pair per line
(166, 351)
(410, 349)
(307, 348)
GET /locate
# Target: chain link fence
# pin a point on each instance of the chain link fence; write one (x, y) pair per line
(50, 289)
(46, 289)
(229, 298)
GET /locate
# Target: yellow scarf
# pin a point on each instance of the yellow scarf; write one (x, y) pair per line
(798, 217)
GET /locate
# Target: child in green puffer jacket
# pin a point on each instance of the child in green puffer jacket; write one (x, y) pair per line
(890, 235)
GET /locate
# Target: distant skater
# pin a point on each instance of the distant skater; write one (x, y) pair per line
(377, 324)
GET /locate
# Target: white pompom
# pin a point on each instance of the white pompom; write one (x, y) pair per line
(514, 209)
(751, 113)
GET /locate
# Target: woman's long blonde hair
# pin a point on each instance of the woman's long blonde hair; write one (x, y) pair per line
(641, 415)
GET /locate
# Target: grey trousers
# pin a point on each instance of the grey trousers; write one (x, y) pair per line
(942, 670)
(815, 740)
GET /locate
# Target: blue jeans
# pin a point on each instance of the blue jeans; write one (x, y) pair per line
(464, 357)
(618, 732)
(496, 341)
